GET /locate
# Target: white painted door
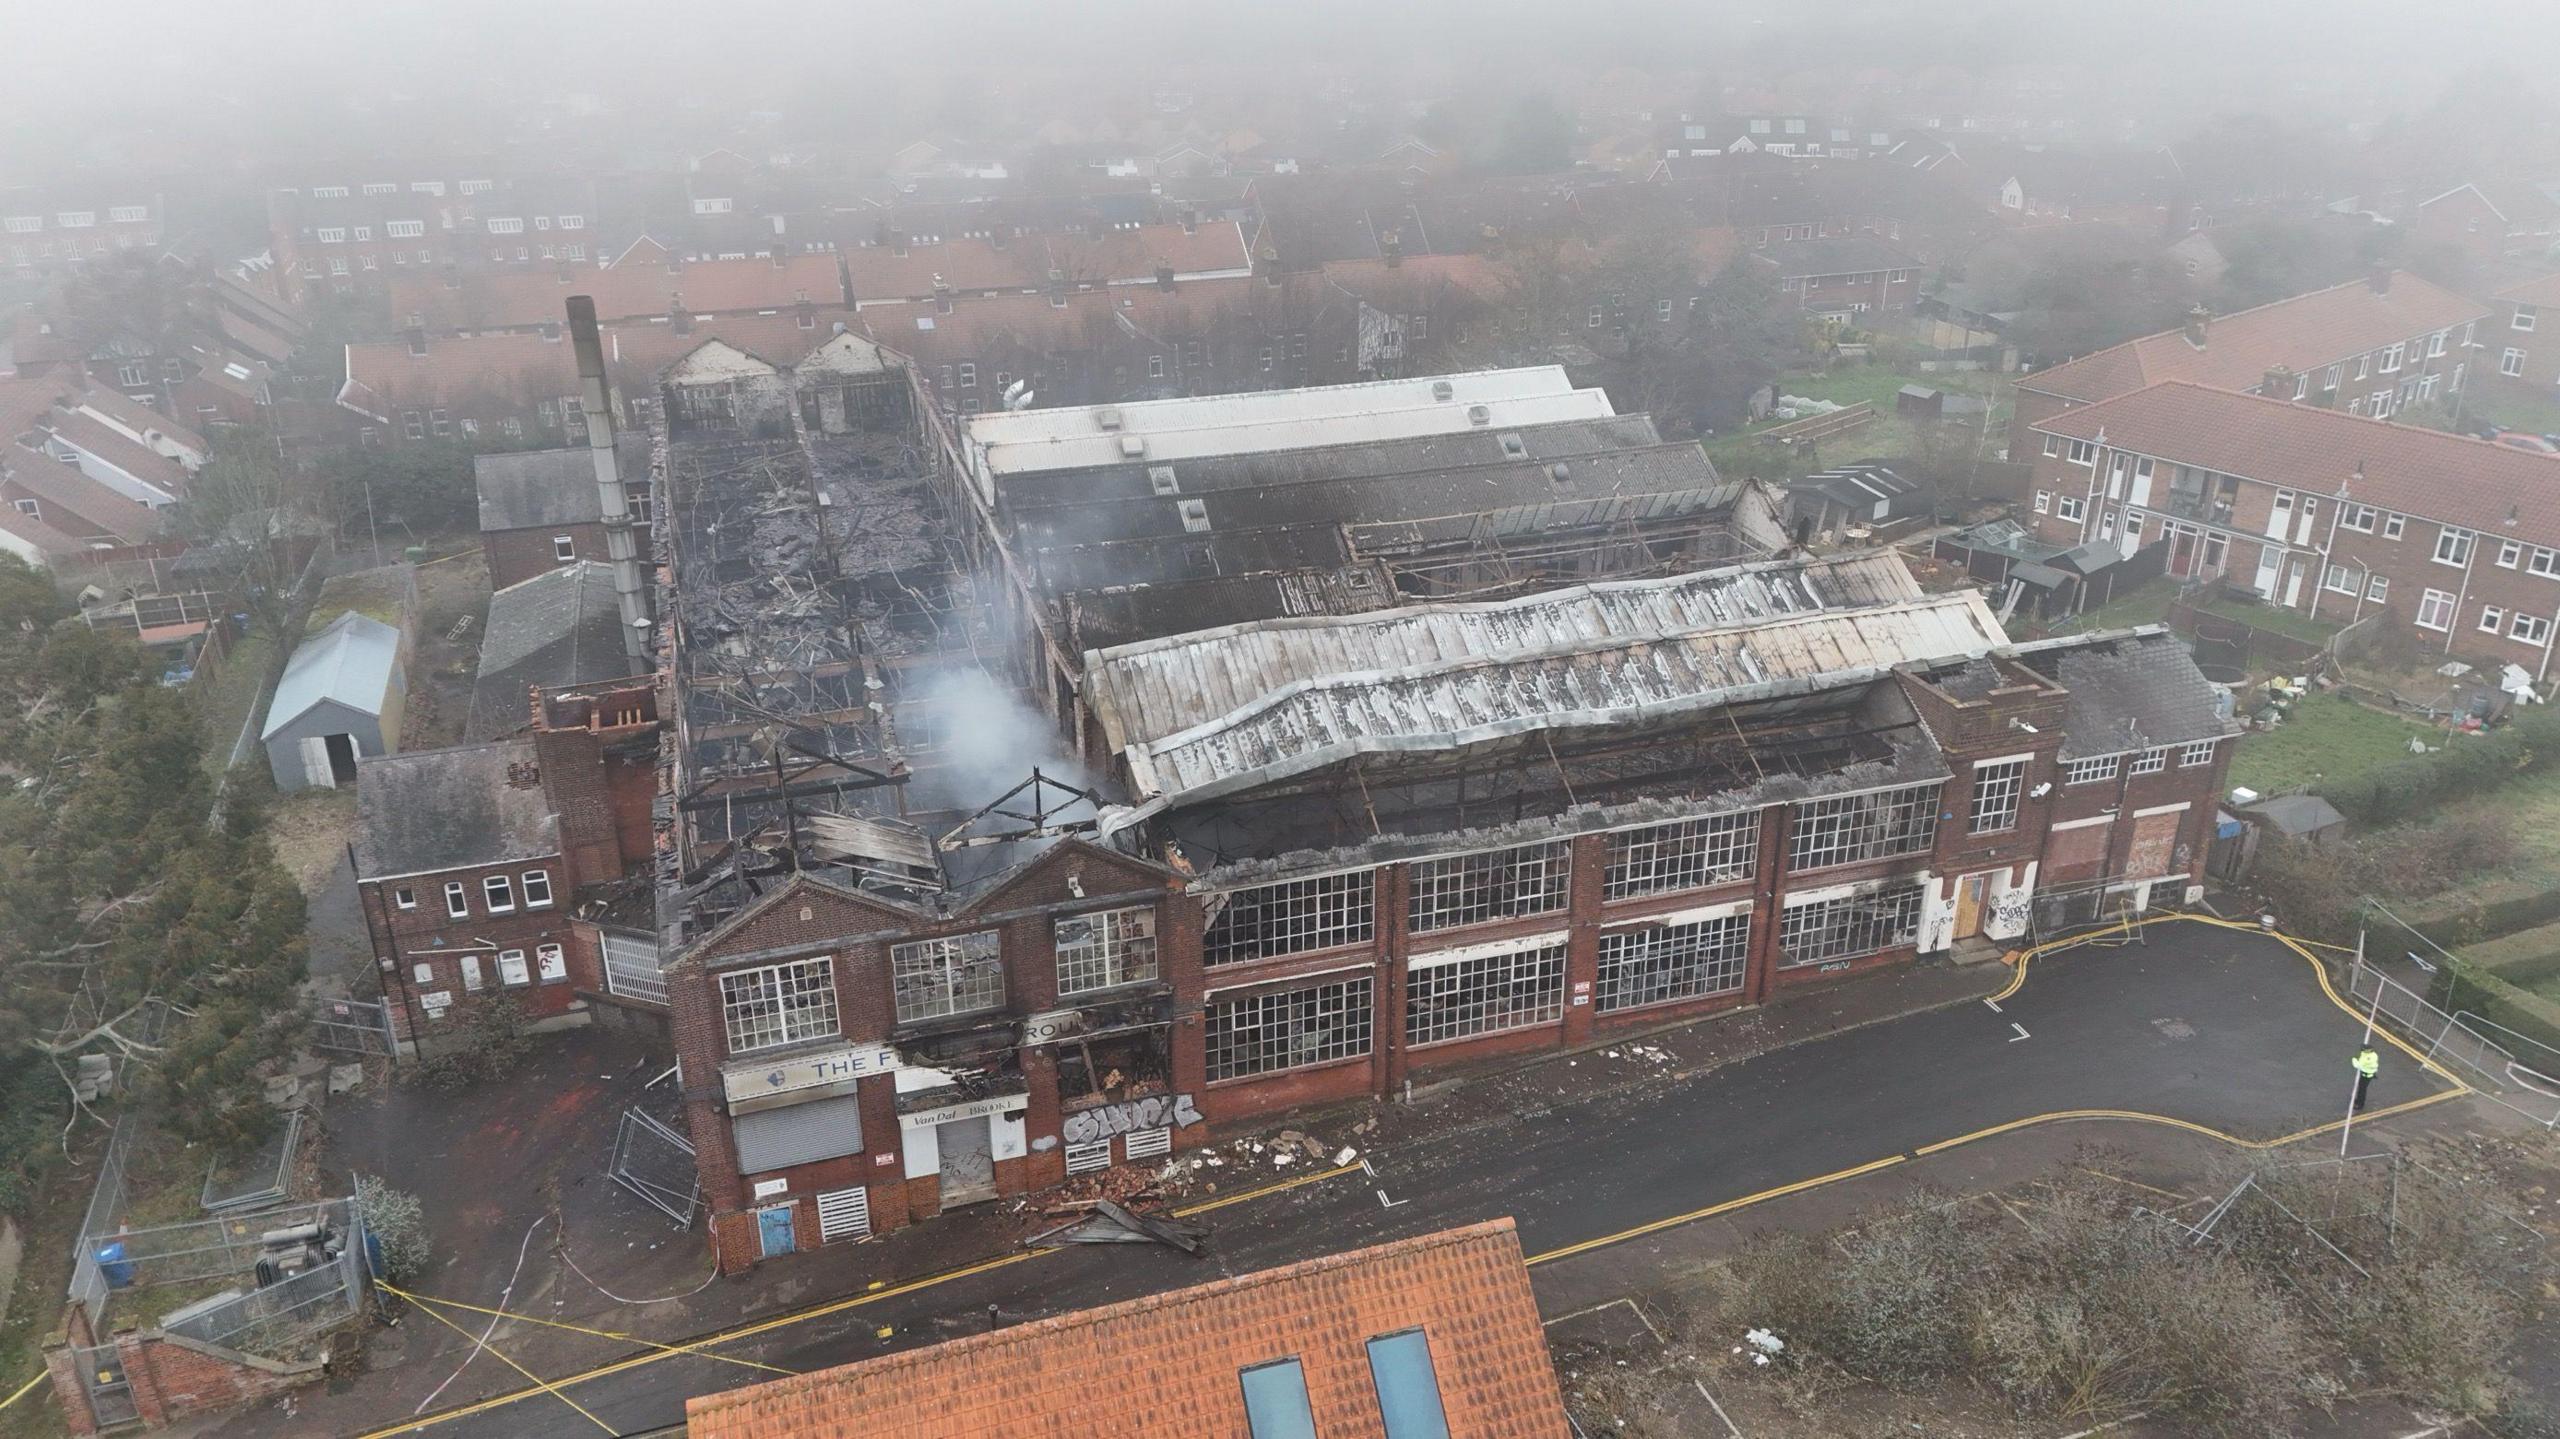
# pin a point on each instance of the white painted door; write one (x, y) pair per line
(315, 762)
(2292, 583)
(2270, 560)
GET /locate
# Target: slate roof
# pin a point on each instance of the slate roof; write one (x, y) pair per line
(2132, 690)
(443, 809)
(355, 661)
(531, 489)
(2450, 479)
(2302, 333)
(561, 627)
(1168, 1364)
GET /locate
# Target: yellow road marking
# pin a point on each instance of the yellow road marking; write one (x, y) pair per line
(22, 1390)
(1712, 1210)
(598, 1333)
(803, 1316)
(389, 1288)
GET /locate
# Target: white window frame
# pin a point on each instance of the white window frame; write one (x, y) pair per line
(564, 548)
(947, 977)
(2511, 362)
(2069, 507)
(2510, 554)
(2199, 752)
(457, 899)
(498, 894)
(2524, 317)
(2453, 546)
(2394, 525)
(403, 897)
(2338, 579)
(537, 880)
(2531, 629)
(550, 963)
(2044, 502)
(2091, 771)
(513, 970)
(1998, 795)
(1105, 949)
(2149, 761)
(472, 980)
(792, 1002)
(2493, 619)
(2439, 604)
(2377, 587)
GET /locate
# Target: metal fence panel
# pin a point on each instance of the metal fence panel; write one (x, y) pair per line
(351, 1026)
(102, 1379)
(2489, 1065)
(631, 967)
(656, 1163)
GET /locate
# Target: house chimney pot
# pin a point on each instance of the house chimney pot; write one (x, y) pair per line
(2379, 277)
(941, 297)
(679, 318)
(2277, 383)
(2199, 324)
(417, 341)
(1164, 277)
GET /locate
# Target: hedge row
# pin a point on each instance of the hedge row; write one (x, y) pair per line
(2456, 921)
(2406, 789)
(2460, 987)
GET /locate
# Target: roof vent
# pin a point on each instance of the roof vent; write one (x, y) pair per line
(1479, 415)
(1160, 479)
(1133, 445)
(1561, 474)
(1443, 390)
(1108, 417)
(1195, 515)
(1513, 447)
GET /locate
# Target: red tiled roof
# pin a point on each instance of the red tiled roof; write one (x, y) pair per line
(517, 368)
(979, 326)
(84, 432)
(1134, 255)
(2543, 293)
(880, 272)
(45, 538)
(25, 401)
(2451, 479)
(2301, 333)
(58, 486)
(1120, 257)
(1168, 1365)
(628, 290)
(1475, 274)
(132, 414)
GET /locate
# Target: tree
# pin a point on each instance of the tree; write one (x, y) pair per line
(2080, 288)
(1536, 136)
(425, 486)
(246, 506)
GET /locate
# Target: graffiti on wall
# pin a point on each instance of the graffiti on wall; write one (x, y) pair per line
(2008, 918)
(1156, 1111)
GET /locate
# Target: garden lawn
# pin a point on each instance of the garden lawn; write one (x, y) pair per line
(2325, 736)
(2274, 619)
(224, 699)
(1887, 437)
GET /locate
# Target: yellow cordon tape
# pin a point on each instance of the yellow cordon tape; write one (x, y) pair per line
(23, 1390)
(478, 1343)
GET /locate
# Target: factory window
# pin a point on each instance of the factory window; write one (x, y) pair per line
(1847, 926)
(500, 892)
(1113, 947)
(404, 229)
(1290, 917)
(1659, 963)
(1494, 884)
(1289, 1029)
(537, 889)
(512, 970)
(1684, 854)
(779, 1004)
(938, 977)
(2151, 761)
(457, 899)
(1857, 827)
(550, 962)
(1996, 788)
(1483, 993)
(2090, 771)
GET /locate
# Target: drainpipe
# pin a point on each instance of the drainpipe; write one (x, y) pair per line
(2329, 542)
(2462, 592)
(621, 548)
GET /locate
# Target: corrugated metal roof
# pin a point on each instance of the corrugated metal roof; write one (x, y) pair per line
(1147, 691)
(1095, 446)
(1448, 704)
(351, 662)
(1258, 407)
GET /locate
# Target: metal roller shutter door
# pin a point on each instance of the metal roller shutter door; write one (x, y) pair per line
(779, 1138)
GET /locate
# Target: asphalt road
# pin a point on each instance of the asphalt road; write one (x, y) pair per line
(2211, 1027)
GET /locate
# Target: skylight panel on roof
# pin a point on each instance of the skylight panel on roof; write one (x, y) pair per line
(1275, 1401)
(1408, 1386)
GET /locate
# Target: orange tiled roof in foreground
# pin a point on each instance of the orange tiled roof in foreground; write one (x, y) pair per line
(2320, 328)
(1168, 1365)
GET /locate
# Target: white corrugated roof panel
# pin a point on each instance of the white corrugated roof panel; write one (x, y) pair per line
(1113, 447)
(1255, 407)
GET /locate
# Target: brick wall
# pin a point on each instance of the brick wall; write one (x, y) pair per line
(518, 555)
(425, 936)
(173, 1379)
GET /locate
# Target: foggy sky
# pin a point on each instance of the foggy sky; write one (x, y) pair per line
(281, 77)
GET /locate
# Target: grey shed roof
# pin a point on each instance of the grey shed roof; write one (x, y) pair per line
(562, 627)
(526, 489)
(352, 662)
(2132, 690)
(452, 808)
(2297, 814)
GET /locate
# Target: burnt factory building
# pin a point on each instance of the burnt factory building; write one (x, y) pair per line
(1044, 790)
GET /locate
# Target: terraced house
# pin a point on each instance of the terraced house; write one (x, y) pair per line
(2454, 539)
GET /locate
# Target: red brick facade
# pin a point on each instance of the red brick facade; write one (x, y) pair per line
(170, 1379)
(518, 555)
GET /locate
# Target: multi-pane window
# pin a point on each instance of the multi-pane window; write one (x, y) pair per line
(1260, 1033)
(2394, 525)
(2492, 619)
(779, 1003)
(2377, 587)
(457, 899)
(1097, 951)
(501, 893)
(1290, 917)
(2453, 546)
(1674, 961)
(2532, 629)
(1847, 926)
(1494, 884)
(537, 888)
(1876, 825)
(2358, 517)
(2545, 563)
(2199, 753)
(512, 969)
(2068, 507)
(958, 975)
(1483, 994)
(2435, 610)
(1996, 788)
(2090, 771)
(1684, 854)
(2151, 761)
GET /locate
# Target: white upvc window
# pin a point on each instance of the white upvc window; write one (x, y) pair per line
(404, 897)
(564, 548)
(2357, 517)
(537, 889)
(2044, 502)
(511, 225)
(405, 229)
(2082, 452)
(2532, 629)
(2511, 362)
(499, 892)
(2545, 563)
(2069, 507)
(2435, 610)
(2394, 525)
(333, 234)
(2509, 554)
(2337, 577)
(2524, 317)
(2377, 588)
(2198, 753)
(2391, 358)
(472, 980)
(2493, 620)
(2453, 546)
(2329, 381)
(512, 970)
(457, 899)
(2052, 446)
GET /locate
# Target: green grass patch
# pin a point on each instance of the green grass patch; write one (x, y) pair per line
(2274, 619)
(2145, 604)
(1887, 437)
(2533, 410)
(225, 698)
(2325, 736)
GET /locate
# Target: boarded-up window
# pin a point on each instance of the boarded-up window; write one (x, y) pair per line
(2155, 845)
(2075, 855)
